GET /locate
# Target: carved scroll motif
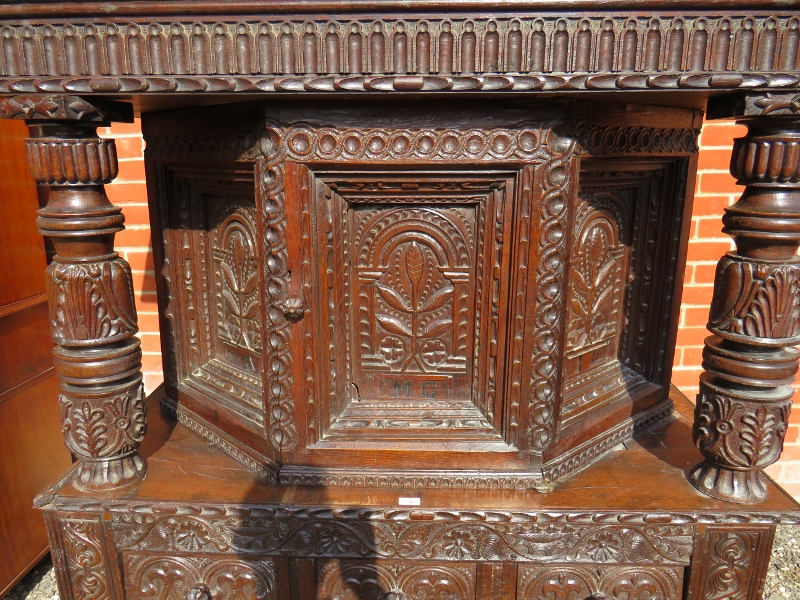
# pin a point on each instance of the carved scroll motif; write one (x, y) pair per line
(398, 581)
(568, 582)
(384, 537)
(85, 557)
(173, 578)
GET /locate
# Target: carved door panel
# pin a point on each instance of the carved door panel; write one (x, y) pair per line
(395, 580)
(407, 274)
(411, 295)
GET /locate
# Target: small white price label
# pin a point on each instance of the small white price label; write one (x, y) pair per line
(408, 501)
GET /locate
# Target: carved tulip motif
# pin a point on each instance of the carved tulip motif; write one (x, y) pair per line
(238, 319)
(415, 307)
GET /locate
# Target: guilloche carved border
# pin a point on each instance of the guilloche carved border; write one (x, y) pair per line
(418, 52)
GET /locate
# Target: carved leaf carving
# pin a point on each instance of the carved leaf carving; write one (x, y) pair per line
(392, 298)
(393, 324)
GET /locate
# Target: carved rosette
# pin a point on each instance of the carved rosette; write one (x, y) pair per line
(750, 360)
(92, 311)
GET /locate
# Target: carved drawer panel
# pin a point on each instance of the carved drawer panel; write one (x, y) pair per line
(587, 582)
(149, 577)
(395, 580)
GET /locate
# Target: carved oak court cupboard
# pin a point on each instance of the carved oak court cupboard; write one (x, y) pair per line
(419, 273)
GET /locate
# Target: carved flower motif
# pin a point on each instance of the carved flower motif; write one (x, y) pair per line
(604, 547)
(434, 352)
(458, 544)
(392, 349)
(190, 536)
(334, 541)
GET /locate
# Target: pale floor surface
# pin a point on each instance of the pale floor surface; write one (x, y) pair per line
(783, 578)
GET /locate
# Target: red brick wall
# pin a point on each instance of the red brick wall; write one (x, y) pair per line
(716, 189)
(128, 190)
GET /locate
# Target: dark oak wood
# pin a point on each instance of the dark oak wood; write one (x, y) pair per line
(411, 272)
(198, 513)
(383, 287)
(750, 360)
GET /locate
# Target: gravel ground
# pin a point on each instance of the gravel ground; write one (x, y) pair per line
(783, 578)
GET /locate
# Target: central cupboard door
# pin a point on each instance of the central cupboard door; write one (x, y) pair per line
(409, 305)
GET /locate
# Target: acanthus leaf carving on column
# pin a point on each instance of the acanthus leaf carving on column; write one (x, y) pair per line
(745, 394)
(90, 291)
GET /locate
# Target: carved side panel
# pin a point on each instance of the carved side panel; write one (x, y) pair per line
(150, 577)
(730, 563)
(212, 259)
(627, 228)
(84, 550)
(352, 580)
(236, 255)
(556, 582)
(600, 266)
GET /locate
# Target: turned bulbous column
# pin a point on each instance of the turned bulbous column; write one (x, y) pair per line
(92, 314)
(749, 360)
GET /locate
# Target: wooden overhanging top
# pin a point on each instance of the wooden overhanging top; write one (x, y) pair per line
(249, 46)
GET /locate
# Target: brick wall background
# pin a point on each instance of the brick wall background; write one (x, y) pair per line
(715, 190)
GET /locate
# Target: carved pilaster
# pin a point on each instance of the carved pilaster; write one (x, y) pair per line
(90, 293)
(745, 394)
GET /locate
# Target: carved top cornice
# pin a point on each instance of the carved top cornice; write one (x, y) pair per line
(325, 48)
(32, 8)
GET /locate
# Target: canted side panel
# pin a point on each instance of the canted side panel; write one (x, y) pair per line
(211, 269)
(621, 267)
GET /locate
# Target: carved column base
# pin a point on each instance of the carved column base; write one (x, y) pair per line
(743, 487)
(739, 431)
(107, 422)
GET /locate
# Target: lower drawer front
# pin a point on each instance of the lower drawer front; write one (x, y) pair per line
(394, 580)
(582, 582)
(150, 577)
